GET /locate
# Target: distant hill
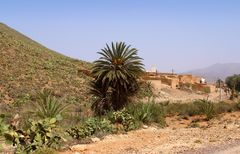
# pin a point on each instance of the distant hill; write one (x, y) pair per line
(216, 71)
(26, 67)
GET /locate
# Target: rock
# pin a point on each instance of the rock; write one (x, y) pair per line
(95, 139)
(80, 147)
(231, 126)
(145, 127)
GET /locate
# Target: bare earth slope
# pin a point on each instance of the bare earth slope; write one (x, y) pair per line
(26, 67)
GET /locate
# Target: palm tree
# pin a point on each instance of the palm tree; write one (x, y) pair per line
(118, 69)
(101, 99)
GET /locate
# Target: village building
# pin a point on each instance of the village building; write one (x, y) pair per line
(179, 81)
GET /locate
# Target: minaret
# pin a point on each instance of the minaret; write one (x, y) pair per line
(154, 69)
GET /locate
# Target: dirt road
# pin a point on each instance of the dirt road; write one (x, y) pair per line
(178, 137)
(231, 150)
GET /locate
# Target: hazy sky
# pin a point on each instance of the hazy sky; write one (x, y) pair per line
(172, 34)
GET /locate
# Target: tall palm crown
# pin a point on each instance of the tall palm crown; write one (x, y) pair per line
(118, 68)
(119, 63)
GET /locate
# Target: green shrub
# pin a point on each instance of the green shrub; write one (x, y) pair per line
(22, 99)
(145, 90)
(45, 150)
(77, 133)
(223, 107)
(238, 105)
(193, 125)
(86, 129)
(199, 107)
(124, 118)
(206, 90)
(147, 112)
(196, 107)
(205, 107)
(90, 127)
(3, 127)
(105, 125)
(190, 109)
(128, 118)
(233, 83)
(40, 134)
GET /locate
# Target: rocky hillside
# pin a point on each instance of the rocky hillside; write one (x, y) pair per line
(26, 67)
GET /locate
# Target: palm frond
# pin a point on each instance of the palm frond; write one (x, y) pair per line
(118, 67)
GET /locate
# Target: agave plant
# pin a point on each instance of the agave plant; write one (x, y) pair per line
(208, 109)
(118, 69)
(48, 106)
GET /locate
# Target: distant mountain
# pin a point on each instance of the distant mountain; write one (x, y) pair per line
(216, 71)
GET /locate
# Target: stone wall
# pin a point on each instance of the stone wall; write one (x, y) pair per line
(175, 81)
(172, 82)
(189, 79)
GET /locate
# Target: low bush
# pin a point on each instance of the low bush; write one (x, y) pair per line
(3, 126)
(189, 109)
(147, 113)
(124, 118)
(112, 122)
(91, 126)
(199, 107)
(127, 119)
(207, 108)
(40, 134)
(238, 105)
(223, 107)
(106, 126)
(193, 125)
(145, 90)
(45, 151)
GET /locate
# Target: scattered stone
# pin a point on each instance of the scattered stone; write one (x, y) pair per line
(145, 126)
(198, 141)
(231, 126)
(80, 147)
(95, 139)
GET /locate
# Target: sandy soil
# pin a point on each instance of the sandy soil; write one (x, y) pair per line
(218, 135)
(166, 93)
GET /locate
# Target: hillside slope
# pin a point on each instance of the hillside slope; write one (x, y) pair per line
(26, 67)
(216, 71)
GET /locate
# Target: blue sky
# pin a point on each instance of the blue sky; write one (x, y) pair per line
(172, 34)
